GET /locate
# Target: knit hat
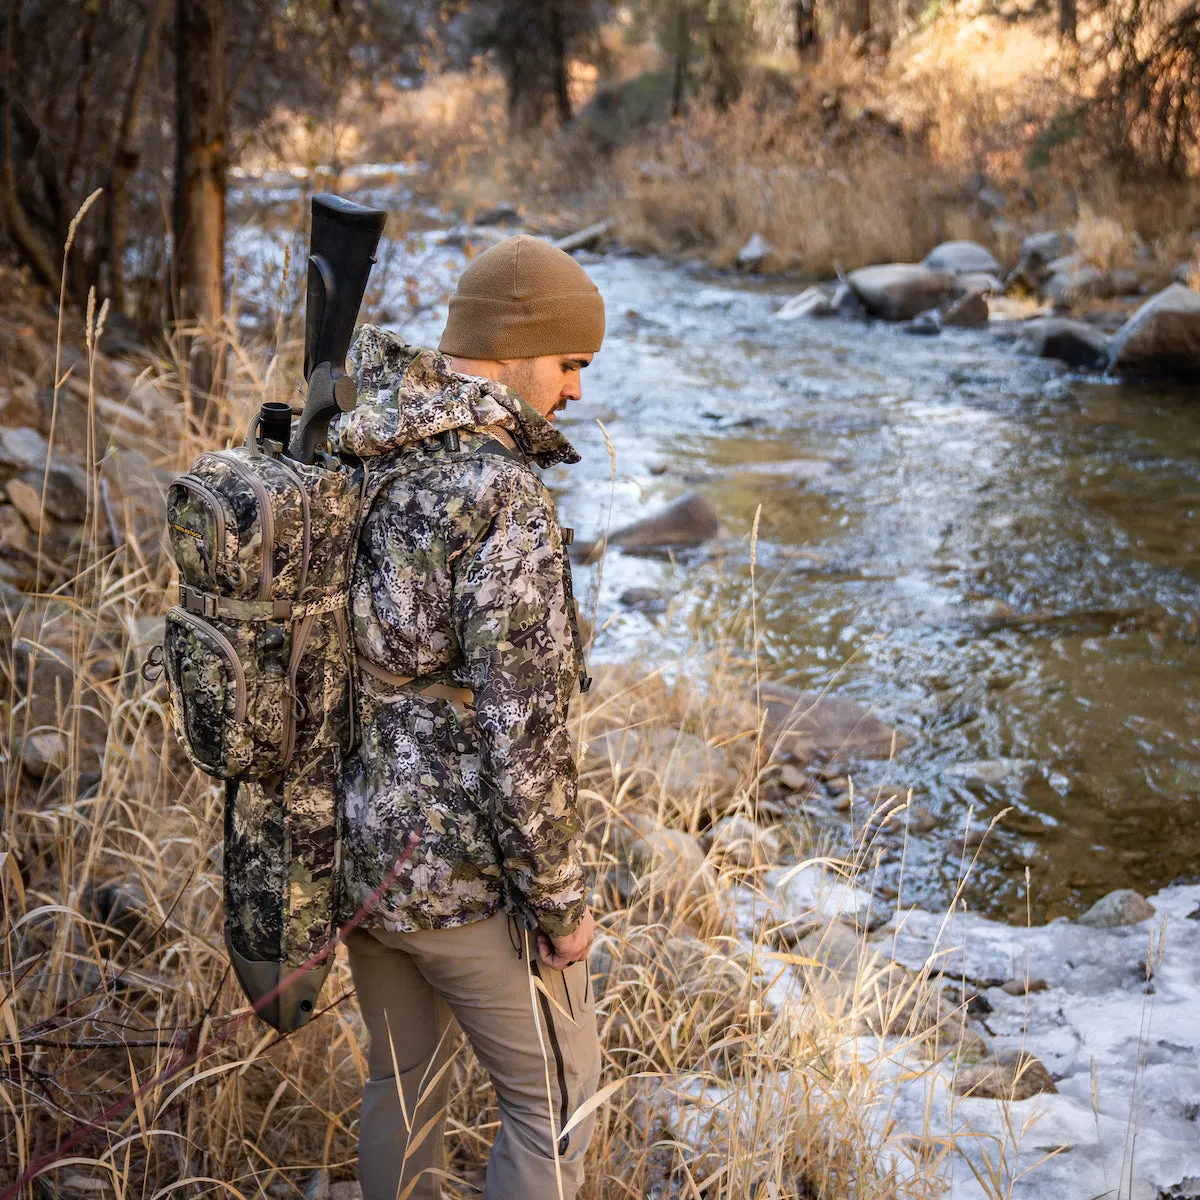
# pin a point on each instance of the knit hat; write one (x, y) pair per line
(523, 298)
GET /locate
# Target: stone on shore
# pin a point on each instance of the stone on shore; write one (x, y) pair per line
(22, 448)
(926, 324)
(1073, 280)
(1122, 907)
(962, 258)
(1073, 342)
(741, 843)
(1038, 251)
(807, 725)
(752, 255)
(1162, 337)
(1010, 1075)
(971, 310)
(689, 522)
(901, 291)
(813, 302)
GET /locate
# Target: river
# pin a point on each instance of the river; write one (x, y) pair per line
(999, 558)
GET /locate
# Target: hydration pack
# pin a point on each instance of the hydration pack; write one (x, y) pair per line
(259, 665)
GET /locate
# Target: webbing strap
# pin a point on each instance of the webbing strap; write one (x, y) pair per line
(209, 604)
(435, 691)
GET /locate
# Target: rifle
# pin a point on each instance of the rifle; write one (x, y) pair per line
(341, 254)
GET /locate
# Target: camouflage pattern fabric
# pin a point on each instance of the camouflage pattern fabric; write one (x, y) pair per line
(460, 579)
(265, 702)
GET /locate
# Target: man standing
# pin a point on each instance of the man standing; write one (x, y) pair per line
(469, 652)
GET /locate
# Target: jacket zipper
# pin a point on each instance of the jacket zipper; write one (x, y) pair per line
(205, 630)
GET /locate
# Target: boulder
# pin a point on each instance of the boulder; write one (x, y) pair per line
(814, 302)
(668, 761)
(992, 772)
(1072, 280)
(23, 449)
(500, 214)
(962, 258)
(1125, 281)
(971, 309)
(900, 291)
(1037, 253)
(808, 725)
(41, 752)
(1073, 342)
(846, 302)
(26, 500)
(926, 324)
(674, 883)
(1162, 337)
(737, 840)
(689, 522)
(978, 282)
(1010, 1075)
(66, 490)
(643, 600)
(709, 986)
(752, 255)
(1122, 907)
(991, 200)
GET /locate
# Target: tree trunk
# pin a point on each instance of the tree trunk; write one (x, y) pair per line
(1066, 20)
(860, 17)
(558, 48)
(201, 58)
(806, 25)
(683, 37)
(125, 157)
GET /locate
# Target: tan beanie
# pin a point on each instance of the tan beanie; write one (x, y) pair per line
(521, 299)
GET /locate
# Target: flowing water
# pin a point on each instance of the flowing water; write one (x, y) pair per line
(999, 557)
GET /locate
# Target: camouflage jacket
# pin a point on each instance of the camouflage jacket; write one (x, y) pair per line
(460, 579)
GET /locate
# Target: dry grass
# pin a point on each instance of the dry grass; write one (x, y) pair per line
(844, 162)
(124, 1065)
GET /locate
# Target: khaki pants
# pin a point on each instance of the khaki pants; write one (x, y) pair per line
(417, 991)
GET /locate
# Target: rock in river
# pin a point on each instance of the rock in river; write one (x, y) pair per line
(899, 291)
(689, 522)
(1162, 337)
(805, 725)
(971, 309)
(1122, 907)
(813, 302)
(962, 258)
(1073, 342)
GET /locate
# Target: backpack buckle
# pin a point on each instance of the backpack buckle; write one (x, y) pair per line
(193, 600)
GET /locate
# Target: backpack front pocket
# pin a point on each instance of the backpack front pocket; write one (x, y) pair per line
(209, 695)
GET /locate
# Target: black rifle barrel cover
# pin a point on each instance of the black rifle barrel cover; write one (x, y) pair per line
(344, 238)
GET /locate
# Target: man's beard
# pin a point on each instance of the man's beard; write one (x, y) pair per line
(519, 375)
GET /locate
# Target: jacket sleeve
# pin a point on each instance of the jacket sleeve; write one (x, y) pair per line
(511, 616)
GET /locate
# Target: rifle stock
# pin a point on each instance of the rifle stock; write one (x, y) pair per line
(341, 253)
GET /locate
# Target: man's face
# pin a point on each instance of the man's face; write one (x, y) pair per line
(546, 383)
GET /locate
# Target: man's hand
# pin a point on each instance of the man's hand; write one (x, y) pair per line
(561, 952)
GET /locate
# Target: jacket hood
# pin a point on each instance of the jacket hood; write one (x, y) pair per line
(406, 394)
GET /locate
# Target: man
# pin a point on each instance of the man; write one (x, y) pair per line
(468, 649)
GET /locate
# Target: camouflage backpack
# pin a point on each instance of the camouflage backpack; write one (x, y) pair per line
(258, 661)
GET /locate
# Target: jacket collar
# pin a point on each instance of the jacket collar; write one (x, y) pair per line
(406, 393)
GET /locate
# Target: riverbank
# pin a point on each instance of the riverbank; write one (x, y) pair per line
(748, 887)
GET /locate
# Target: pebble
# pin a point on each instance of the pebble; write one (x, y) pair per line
(794, 779)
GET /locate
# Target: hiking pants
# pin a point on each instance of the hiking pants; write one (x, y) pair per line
(417, 991)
